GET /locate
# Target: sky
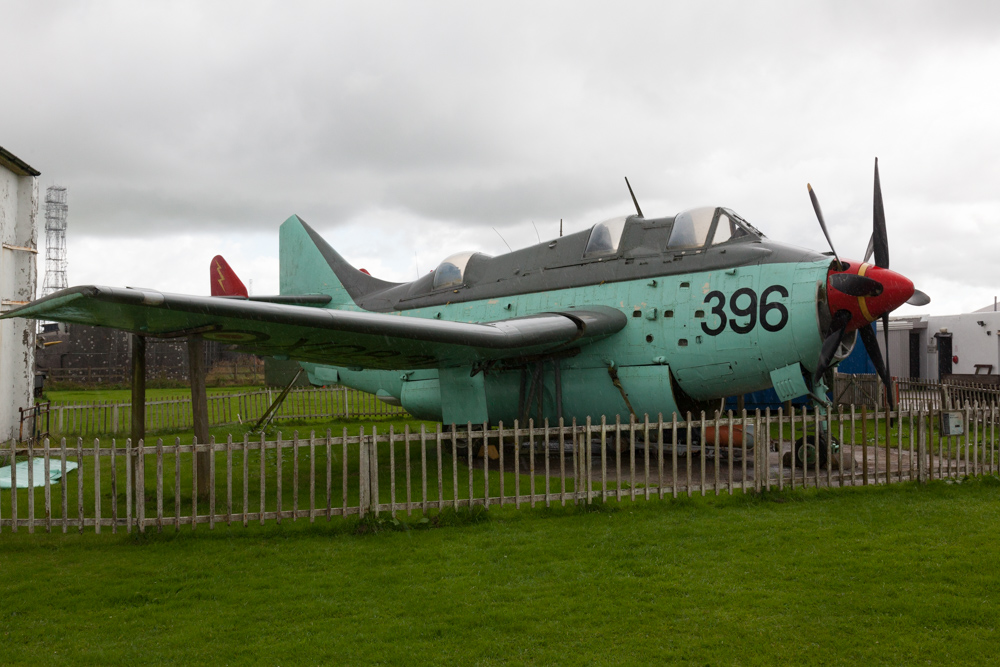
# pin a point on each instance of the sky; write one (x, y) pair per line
(406, 131)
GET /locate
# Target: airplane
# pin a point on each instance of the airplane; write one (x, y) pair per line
(634, 316)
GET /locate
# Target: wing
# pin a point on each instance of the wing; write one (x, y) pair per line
(324, 335)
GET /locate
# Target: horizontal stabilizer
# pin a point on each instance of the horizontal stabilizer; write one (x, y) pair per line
(224, 280)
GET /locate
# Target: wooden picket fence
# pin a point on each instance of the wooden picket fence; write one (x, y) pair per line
(912, 393)
(155, 486)
(91, 419)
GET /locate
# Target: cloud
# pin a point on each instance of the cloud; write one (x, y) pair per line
(444, 120)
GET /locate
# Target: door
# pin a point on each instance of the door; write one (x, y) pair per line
(914, 354)
(944, 355)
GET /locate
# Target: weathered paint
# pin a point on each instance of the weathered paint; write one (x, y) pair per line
(19, 237)
(666, 334)
(705, 367)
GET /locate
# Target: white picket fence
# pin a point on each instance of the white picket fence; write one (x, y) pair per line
(154, 487)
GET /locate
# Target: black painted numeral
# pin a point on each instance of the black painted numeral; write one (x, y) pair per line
(744, 304)
(750, 310)
(719, 309)
(766, 307)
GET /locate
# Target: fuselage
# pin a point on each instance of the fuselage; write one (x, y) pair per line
(713, 318)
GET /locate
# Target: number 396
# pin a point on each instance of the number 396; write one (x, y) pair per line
(744, 304)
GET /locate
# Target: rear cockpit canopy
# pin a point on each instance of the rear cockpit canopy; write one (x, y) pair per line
(451, 271)
(605, 237)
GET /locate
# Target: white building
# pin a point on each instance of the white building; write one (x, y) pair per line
(929, 346)
(19, 238)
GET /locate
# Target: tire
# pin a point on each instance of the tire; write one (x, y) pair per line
(805, 451)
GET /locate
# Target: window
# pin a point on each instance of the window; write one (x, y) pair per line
(605, 237)
(731, 226)
(691, 228)
(451, 271)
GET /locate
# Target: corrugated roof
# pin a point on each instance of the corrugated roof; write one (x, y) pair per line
(16, 164)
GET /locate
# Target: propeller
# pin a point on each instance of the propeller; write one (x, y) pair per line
(861, 294)
(838, 329)
(822, 224)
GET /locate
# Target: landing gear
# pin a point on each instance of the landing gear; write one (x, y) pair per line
(812, 445)
(806, 451)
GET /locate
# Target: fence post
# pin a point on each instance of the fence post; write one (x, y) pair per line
(922, 449)
(138, 393)
(373, 468)
(759, 452)
(364, 476)
(139, 478)
(199, 410)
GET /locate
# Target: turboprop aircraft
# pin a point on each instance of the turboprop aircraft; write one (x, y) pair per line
(634, 316)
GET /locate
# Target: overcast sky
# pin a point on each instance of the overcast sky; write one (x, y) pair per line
(406, 131)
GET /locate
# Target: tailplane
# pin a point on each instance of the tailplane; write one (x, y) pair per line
(224, 280)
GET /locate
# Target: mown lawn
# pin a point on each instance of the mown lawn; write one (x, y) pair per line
(887, 575)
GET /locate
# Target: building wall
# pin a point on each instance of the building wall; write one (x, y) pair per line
(18, 278)
(973, 343)
(94, 356)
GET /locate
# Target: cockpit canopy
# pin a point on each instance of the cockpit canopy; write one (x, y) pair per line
(451, 271)
(694, 228)
(605, 237)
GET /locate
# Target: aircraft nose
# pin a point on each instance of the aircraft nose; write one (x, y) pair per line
(866, 292)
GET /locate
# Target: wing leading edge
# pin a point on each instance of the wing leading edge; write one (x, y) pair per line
(323, 335)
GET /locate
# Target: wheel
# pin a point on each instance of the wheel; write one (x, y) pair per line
(806, 451)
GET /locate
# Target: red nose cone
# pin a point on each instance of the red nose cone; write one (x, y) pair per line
(895, 290)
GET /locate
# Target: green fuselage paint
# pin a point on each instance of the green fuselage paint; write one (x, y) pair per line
(715, 333)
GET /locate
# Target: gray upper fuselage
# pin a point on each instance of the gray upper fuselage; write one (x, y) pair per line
(561, 263)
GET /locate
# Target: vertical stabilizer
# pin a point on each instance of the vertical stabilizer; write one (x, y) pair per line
(308, 265)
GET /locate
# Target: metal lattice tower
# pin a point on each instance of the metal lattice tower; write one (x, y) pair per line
(55, 240)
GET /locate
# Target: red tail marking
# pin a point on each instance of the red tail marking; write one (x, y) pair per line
(224, 280)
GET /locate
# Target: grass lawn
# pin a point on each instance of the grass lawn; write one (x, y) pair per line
(887, 575)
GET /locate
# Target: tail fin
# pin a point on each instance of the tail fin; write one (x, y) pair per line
(224, 280)
(308, 265)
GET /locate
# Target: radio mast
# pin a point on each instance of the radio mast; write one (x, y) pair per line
(55, 240)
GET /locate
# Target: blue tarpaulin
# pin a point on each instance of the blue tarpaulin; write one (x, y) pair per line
(38, 473)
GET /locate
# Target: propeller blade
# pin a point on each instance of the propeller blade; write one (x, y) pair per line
(852, 284)
(888, 374)
(831, 343)
(870, 340)
(919, 298)
(874, 353)
(822, 224)
(871, 248)
(880, 240)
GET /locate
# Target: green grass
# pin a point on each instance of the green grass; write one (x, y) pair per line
(91, 413)
(65, 396)
(890, 575)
